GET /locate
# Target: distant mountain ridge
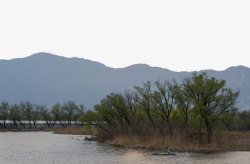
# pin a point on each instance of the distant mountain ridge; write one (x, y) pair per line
(47, 79)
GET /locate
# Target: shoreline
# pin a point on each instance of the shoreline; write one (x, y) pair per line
(68, 130)
(27, 130)
(232, 141)
(229, 141)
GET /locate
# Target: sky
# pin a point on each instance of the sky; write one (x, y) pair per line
(181, 35)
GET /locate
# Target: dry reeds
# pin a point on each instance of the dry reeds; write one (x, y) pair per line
(223, 141)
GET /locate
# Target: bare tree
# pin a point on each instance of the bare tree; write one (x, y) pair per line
(27, 110)
(145, 101)
(47, 115)
(70, 108)
(164, 97)
(15, 115)
(58, 114)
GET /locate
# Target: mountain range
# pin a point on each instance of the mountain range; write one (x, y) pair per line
(45, 78)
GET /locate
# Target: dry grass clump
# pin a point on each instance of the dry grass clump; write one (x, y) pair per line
(151, 142)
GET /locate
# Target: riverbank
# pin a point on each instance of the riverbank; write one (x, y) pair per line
(69, 130)
(225, 141)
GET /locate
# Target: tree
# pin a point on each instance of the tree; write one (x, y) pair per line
(120, 110)
(107, 117)
(70, 108)
(57, 112)
(131, 99)
(36, 110)
(183, 104)
(15, 115)
(145, 101)
(80, 112)
(27, 110)
(89, 117)
(4, 110)
(46, 115)
(210, 98)
(164, 97)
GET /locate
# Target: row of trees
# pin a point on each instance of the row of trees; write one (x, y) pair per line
(64, 114)
(198, 105)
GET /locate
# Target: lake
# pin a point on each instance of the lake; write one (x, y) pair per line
(49, 148)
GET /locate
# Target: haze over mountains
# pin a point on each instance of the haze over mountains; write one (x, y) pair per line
(44, 78)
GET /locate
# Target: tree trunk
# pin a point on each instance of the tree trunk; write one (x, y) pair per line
(209, 130)
(30, 123)
(209, 133)
(21, 124)
(4, 124)
(200, 133)
(34, 123)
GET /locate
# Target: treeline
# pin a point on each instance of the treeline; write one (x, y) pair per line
(66, 115)
(197, 106)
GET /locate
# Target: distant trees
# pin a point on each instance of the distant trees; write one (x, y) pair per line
(65, 114)
(15, 115)
(29, 112)
(47, 115)
(241, 121)
(70, 109)
(4, 111)
(57, 113)
(78, 114)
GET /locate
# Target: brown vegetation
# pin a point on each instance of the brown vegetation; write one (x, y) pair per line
(221, 141)
(68, 130)
(75, 131)
(25, 129)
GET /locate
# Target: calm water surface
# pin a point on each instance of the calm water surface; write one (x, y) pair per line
(49, 148)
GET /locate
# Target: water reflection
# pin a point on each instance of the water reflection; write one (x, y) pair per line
(48, 148)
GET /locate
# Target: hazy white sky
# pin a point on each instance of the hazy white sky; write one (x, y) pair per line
(176, 34)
